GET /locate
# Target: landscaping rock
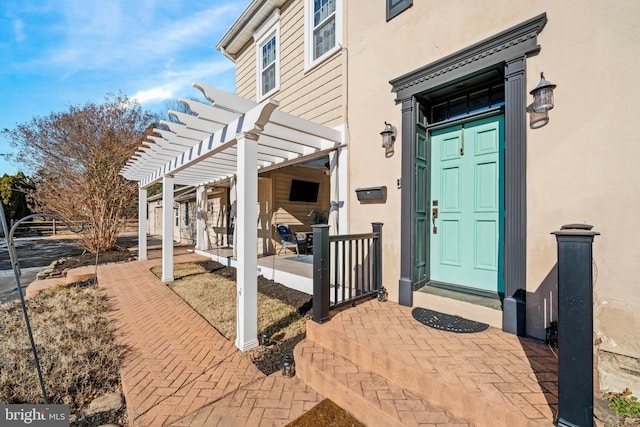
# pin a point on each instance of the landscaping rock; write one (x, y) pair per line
(603, 412)
(108, 402)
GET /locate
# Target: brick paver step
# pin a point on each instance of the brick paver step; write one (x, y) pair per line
(370, 397)
(488, 378)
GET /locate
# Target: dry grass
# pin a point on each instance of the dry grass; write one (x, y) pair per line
(214, 298)
(78, 356)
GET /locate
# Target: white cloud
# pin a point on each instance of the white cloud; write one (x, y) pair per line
(156, 94)
(173, 84)
(120, 34)
(18, 29)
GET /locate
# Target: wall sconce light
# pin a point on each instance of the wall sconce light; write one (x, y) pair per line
(388, 138)
(543, 95)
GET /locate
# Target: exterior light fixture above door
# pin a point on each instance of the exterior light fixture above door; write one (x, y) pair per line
(543, 95)
(388, 138)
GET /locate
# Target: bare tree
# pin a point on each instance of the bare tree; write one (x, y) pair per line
(76, 157)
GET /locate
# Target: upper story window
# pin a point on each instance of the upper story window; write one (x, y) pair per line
(268, 56)
(323, 29)
(394, 7)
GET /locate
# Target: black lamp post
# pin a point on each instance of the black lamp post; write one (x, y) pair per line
(575, 325)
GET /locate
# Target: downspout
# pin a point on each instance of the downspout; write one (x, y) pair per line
(343, 228)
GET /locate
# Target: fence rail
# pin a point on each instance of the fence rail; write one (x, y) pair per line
(346, 268)
(55, 228)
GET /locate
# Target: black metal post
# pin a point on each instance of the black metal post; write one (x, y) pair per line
(575, 325)
(377, 260)
(321, 273)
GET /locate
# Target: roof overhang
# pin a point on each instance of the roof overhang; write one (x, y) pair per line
(201, 149)
(242, 30)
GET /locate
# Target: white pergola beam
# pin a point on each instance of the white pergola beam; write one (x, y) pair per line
(211, 113)
(192, 122)
(183, 130)
(225, 99)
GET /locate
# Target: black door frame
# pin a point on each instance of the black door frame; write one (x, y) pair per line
(510, 49)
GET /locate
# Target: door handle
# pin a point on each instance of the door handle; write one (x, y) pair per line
(434, 215)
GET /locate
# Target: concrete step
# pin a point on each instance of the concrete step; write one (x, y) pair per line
(371, 398)
(480, 408)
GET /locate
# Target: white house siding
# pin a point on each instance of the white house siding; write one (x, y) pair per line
(315, 95)
(581, 167)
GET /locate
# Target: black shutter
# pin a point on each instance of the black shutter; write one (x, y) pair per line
(394, 7)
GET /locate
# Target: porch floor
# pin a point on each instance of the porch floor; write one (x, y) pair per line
(289, 269)
(400, 366)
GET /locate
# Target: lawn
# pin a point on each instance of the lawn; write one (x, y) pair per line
(78, 356)
(210, 288)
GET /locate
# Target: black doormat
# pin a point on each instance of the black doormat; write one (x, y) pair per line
(447, 322)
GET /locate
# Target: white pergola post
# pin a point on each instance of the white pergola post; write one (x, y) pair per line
(202, 242)
(167, 228)
(247, 243)
(142, 224)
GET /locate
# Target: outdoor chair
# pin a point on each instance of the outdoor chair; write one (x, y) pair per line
(290, 239)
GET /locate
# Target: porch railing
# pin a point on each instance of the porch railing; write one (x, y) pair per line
(346, 268)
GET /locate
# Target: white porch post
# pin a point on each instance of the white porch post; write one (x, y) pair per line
(246, 239)
(142, 224)
(167, 228)
(202, 242)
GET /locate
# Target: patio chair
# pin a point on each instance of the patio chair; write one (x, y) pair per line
(290, 239)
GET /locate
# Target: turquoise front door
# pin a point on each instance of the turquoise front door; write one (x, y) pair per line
(466, 204)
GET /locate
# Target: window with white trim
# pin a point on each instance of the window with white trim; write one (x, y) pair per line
(323, 29)
(268, 56)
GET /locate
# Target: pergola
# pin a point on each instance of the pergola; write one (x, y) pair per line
(232, 137)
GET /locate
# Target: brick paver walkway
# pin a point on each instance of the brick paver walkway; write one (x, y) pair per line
(481, 373)
(178, 370)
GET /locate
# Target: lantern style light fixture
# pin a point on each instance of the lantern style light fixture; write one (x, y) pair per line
(288, 366)
(388, 138)
(543, 95)
(266, 337)
(382, 294)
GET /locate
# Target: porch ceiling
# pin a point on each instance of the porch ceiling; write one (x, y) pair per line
(201, 149)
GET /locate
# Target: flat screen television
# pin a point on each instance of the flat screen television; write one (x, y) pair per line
(303, 191)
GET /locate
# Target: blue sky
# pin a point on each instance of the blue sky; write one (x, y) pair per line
(57, 53)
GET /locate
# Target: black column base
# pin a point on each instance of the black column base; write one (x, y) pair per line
(513, 316)
(405, 295)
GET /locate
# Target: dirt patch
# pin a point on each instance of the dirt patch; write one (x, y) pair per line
(326, 413)
(118, 255)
